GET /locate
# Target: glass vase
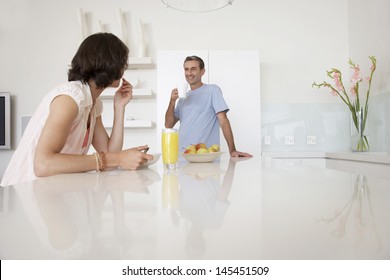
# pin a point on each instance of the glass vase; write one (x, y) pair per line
(359, 139)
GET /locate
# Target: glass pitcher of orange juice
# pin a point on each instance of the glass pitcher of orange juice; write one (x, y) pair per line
(170, 147)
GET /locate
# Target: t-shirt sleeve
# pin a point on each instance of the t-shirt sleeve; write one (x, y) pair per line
(177, 109)
(219, 103)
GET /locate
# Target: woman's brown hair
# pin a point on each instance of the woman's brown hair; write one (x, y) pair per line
(101, 57)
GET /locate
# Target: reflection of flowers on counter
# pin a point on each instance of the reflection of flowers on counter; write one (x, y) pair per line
(356, 215)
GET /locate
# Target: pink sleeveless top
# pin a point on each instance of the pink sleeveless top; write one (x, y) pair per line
(21, 167)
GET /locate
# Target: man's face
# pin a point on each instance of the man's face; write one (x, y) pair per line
(192, 72)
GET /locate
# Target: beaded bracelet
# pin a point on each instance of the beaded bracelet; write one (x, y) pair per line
(97, 162)
(103, 161)
(100, 161)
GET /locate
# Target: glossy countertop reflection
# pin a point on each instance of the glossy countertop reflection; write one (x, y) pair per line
(259, 208)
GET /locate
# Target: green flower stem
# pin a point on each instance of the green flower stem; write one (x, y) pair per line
(363, 145)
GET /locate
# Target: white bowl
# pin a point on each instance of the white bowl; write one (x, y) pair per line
(156, 157)
(206, 157)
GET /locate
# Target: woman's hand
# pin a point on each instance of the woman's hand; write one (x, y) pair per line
(134, 158)
(124, 94)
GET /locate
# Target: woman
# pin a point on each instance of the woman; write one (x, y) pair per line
(68, 119)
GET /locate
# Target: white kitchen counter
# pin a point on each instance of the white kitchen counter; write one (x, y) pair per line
(366, 157)
(260, 208)
(342, 155)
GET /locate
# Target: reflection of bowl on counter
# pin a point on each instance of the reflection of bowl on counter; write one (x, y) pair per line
(206, 157)
(201, 171)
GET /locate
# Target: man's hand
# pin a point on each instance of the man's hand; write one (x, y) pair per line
(240, 154)
(174, 94)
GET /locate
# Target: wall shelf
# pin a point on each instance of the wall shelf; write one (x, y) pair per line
(140, 62)
(137, 94)
(131, 124)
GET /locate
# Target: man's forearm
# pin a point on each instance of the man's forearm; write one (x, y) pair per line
(228, 134)
(170, 115)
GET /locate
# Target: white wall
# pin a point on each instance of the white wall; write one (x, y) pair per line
(297, 40)
(368, 22)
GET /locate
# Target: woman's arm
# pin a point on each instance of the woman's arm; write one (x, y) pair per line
(112, 146)
(48, 159)
(101, 141)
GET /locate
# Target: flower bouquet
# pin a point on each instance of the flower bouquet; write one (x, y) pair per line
(358, 109)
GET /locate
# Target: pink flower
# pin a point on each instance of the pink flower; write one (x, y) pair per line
(334, 93)
(353, 91)
(337, 81)
(357, 76)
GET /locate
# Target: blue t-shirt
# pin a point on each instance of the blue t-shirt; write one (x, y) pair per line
(198, 116)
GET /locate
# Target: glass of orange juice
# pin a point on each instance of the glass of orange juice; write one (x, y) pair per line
(170, 147)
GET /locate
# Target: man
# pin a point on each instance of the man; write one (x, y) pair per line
(202, 112)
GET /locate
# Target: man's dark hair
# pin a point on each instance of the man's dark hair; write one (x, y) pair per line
(196, 58)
